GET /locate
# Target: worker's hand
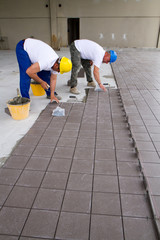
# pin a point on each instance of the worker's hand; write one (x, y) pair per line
(54, 99)
(44, 85)
(102, 87)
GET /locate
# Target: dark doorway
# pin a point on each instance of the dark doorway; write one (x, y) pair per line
(73, 29)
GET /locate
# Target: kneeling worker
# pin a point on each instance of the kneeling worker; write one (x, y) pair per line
(88, 53)
(37, 60)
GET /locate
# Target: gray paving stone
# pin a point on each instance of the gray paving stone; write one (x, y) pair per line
(105, 167)
(21, 197)
(85, 142)
(82, 166)
(135, 206)
(59, 165)
(37, 163)
(106, 203)
(43, 151)
(55, 180)
(9, 176)
(48, 199)
(30, 178)
(16, 162)
(84, 153)
(132, 185)
(77, 201)
(23, 150)
(9, 237)
(73, 226)
(139, 228)
(131, 169)
(41, 224)
(103, 183)
(81, 182)
(4, 192)
(105, 154)
(12, 220)
(63, 152)
(102, 227)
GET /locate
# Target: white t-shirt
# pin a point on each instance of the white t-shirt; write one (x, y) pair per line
(90, 50)
(42, 53)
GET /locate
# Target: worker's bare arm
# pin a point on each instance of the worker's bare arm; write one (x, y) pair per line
(97, 78)
(32, 72)
(53, 81)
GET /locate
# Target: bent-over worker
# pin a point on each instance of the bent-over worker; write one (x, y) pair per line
(88, 53)
(37, 60)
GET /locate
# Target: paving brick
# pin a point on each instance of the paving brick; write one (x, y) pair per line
(63, 152)
(73, 226)
(135, 206)
(55, 180)
(102, 227)
(139, 228)
(59, 165)
(131, 169)
(12, 220)
(105, 167)
(43, 151)
(77, 201)
(16, 162)
(30, 178)
(41, 223)
(106, 203)
(103, 183)
(37, 163)
(132, 185)
(82, 166)
(21, 197)
(105, 154)
(84, 153)
(81, 182)
(49, 199)
(9, 176)
(4, 192)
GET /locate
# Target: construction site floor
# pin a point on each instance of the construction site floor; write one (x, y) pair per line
(93, 174)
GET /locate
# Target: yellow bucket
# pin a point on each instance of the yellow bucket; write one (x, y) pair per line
(19, 111)
(37, 89)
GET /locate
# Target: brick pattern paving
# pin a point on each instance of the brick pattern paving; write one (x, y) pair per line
(76, 177)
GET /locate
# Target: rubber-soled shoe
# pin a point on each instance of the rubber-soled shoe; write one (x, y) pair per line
(74, 90)
(91, 84)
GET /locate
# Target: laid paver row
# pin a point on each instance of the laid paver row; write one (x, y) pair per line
(140, 94)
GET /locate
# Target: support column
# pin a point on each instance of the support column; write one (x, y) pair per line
(53, 24)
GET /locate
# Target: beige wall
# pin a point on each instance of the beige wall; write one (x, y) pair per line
(24, 18)
(111, 23)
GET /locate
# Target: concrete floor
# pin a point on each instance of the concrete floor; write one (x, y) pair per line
(94, 173)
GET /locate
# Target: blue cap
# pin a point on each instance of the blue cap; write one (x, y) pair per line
(113, 56)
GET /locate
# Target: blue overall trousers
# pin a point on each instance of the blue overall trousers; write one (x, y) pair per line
(24, 63)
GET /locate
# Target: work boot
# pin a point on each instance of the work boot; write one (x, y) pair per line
(91, 84)
(56, 95)
(74, 90)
